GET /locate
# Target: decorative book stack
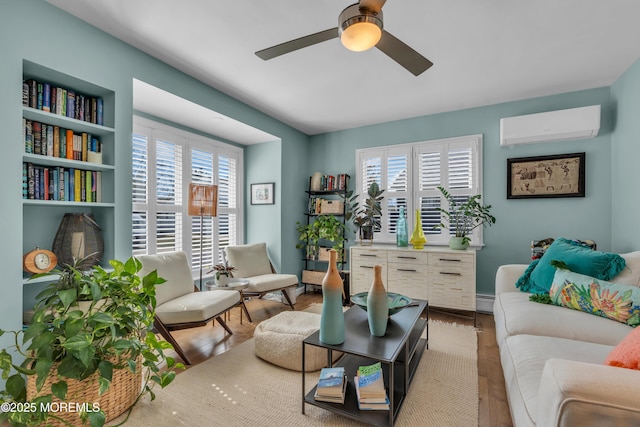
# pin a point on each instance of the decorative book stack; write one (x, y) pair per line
(370, 388)
(331, 385)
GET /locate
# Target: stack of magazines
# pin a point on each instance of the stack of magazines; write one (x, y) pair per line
(332, 385)
(370, 388)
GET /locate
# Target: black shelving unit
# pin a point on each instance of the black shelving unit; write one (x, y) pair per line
(312, 275)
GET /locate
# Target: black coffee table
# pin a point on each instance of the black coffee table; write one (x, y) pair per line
(399, 351)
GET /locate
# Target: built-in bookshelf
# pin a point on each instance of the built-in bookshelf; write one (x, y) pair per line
(68, 161)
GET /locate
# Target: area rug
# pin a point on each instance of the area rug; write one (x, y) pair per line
(238, 389)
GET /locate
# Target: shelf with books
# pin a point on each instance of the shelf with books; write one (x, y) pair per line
(57, 161)
(63, 184)
(325, 199)
(88, 118)
(65, 122)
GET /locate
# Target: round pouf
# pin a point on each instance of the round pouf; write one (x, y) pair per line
(278, 340)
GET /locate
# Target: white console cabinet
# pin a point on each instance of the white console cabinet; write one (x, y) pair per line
(445, 277)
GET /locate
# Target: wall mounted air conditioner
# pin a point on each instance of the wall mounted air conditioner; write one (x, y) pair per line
(561, 125)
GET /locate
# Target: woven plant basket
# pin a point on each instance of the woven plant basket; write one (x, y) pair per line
(122, 393)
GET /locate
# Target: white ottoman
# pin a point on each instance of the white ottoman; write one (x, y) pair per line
(278, 340)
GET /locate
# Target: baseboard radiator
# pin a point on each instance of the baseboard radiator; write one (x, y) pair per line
(484, 303)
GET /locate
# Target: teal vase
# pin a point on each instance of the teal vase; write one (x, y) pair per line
(332, 316)
(377, 304)
(402, 235)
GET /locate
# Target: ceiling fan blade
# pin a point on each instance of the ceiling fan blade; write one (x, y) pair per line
(373, 5)
(403, 54)
(290, 46)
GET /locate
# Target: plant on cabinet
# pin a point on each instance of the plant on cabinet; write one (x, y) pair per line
(463, 217)
(367, 218)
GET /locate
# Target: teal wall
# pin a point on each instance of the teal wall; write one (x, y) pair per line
(518, 221)
(263, 164)
(625, 149)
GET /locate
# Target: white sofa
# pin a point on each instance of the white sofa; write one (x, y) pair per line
(552, 359)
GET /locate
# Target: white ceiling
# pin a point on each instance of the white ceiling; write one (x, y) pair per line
(484, 51)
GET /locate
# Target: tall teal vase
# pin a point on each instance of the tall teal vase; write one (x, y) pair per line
(377, 304)
(332, 316)
(402, 238)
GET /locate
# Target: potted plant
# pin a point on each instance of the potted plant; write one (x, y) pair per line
(223, 274)
(309, 237)
(325, 227)
(368, 216)
(463, 218)
(101, 358)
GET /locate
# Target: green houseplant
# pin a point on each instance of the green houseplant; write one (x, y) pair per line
(325, 227)
(367, 217)
(74, 346)
(464, 217)
(223, 273)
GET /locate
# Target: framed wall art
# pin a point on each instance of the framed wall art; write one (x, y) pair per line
(263, 194)
(560, 175)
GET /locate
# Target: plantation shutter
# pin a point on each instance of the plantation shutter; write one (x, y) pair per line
(429, 173)
(397, 189)
(169, 192)
(140, 189)
(227, 202)
(453, 164)
(164, 161)
(411, 174)
(202, 172)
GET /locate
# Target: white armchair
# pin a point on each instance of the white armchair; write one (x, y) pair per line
(179, 304)
(252, 262)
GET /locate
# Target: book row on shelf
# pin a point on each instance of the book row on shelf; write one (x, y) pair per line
(48, 140)
(59, 183)
(368, 382)
(332, 182)
(62, 101)
(318, 206)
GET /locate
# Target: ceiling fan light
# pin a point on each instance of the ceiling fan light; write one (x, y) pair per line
(361, 36)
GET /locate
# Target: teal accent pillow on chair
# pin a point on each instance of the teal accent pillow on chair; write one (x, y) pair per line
(577, 257)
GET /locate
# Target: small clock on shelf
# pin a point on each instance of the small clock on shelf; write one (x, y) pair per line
(39, 261)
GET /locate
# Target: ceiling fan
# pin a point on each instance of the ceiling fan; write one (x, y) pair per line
(359, 28)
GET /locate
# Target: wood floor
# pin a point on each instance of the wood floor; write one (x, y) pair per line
(202, 343)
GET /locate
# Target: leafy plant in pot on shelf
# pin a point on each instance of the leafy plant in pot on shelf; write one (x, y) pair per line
(324, 227)
(463, 217)
(367, 218)
(82, 355)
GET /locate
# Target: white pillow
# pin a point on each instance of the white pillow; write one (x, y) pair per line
(249, 260)
(631, 273)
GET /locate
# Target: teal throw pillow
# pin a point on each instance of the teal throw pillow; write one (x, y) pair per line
(599, 297)
(577, 257)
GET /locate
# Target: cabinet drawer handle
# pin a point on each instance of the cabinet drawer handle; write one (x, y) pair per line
(407, 257)
(371, 255)
(450, 274)
(405, 269)
(366, 266)
(450, 259)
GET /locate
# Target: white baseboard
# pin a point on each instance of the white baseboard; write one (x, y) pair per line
(484, 303)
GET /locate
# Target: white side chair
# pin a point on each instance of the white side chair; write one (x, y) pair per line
(179, 304)
(252, 262)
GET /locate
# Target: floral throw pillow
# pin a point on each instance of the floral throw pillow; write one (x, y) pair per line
(599, 297)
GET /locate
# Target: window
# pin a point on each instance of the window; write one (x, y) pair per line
(165, 160)
(410, 175)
